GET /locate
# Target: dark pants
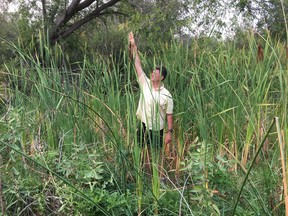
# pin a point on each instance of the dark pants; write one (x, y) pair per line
(149, 137)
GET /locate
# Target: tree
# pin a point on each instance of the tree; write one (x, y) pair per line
(63, 18)
(155, 21)
(8, 31)
(269, 14)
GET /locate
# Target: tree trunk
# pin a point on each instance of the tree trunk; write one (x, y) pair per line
(60, 30)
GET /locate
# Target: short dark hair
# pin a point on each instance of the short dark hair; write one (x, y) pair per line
(163, 71)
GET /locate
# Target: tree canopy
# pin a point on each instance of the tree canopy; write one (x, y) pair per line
(271, 15)
(103, 25)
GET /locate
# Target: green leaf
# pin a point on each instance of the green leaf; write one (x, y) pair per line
(15, 171)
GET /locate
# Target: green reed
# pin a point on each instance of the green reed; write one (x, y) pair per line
(232, 96)
(222, 96)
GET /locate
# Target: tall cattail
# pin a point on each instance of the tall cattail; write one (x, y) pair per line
(260, 55)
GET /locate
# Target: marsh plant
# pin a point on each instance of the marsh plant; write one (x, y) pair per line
(68, 133)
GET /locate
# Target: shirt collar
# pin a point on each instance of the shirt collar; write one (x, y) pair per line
(161, 87)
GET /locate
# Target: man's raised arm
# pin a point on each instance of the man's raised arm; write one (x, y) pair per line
(134, 51)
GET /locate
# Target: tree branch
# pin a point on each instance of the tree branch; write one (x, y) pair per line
(85, 4)
(99, 11)
(71, 8)
(69, 12)
(83, 21)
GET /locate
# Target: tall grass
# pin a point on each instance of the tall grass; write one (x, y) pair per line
(224, 101)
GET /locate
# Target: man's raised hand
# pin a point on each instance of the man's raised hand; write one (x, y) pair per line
(131, 39)
(132, 46)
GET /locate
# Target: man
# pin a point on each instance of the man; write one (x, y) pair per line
(155, 104)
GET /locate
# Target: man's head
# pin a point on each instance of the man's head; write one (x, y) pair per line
(159, 74)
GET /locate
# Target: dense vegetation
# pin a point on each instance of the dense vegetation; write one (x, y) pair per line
(67, 143)
(67, 109)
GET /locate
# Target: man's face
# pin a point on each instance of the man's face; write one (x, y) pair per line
(156, 75)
